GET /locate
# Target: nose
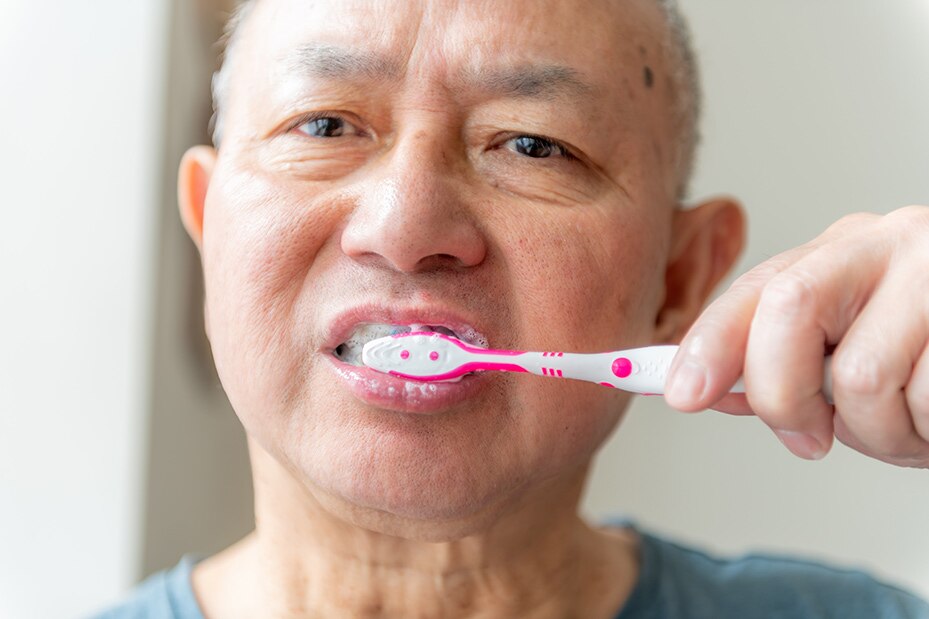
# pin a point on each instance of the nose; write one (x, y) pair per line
(411, 214)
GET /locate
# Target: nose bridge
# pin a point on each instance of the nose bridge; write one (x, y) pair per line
(411, 213)
(419, 169)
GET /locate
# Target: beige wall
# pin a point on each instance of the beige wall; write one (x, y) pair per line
(80, 99)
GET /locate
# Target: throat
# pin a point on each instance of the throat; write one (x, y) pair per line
(590, 581)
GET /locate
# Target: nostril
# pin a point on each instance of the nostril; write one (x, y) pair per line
(439, 262)
(340, 350)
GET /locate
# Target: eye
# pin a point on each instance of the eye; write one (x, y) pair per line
(326, 127)
(537, 147)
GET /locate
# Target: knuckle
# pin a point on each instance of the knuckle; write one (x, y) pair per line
(878, 438)
(858, 373)
(909, 227)
(910, 215)
(907, 452)
(758, 276)
(787, 295)
(891, 451)
(779, 408)
(852, 221)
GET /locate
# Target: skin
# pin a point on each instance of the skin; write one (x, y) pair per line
(424, 199)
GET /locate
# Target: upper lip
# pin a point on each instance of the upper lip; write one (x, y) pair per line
(342, 326)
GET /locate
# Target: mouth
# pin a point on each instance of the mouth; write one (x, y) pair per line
(349, 351)
(353, 329)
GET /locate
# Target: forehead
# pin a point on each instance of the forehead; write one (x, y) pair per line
(599, 39)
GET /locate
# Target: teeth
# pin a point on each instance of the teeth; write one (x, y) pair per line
(349, 351)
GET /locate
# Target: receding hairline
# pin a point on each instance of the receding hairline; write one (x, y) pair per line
(685, 79)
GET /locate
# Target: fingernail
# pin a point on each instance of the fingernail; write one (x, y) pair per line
(801, 444)
(688, 382)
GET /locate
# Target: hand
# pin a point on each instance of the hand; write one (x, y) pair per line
(861, 287)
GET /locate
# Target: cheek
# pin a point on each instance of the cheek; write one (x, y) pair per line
(260, 240)
(588, 281)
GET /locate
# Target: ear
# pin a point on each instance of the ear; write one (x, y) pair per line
(705, 243)
(193, 181)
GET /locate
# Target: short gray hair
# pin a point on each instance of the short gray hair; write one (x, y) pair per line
(685, 79)
(220, 85)
(688, 96)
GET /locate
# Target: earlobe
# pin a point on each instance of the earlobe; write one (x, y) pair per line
(193, 181)
(706, 241)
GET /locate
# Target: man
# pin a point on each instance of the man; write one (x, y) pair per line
(510, 172)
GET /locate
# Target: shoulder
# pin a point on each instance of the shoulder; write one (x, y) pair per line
(680, 581)
(165, 595)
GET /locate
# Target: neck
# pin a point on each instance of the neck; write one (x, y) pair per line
(534, 558)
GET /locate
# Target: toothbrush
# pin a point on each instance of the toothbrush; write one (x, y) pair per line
(435, 357)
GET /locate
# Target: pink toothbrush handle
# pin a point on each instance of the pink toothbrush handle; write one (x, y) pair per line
(639, 370)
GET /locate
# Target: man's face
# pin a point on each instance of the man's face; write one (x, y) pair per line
(498, 169)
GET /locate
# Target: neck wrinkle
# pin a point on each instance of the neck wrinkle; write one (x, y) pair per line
(536, 560)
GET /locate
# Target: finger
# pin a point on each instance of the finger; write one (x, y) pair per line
(800, 311)
(710, 358)
(917, 395)
(872, 366)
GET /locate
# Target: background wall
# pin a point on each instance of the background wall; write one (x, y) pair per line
(118, 452)
(81, 109)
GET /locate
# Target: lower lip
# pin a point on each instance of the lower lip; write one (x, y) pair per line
(406, 396)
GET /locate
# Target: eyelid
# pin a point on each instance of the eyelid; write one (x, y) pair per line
(311, 116)
(563, 149)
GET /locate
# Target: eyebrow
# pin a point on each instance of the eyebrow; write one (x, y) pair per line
(339, 63)
(544, 81)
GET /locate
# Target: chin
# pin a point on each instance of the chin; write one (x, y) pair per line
(428, 503)
(420, 522)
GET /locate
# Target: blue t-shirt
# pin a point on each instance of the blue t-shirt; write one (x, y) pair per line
(675, 582)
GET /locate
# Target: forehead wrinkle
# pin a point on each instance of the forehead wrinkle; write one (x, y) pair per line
(332, 62)
(340, 63)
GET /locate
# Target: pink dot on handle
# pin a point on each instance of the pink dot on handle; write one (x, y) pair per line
(622, 367)
(404, 354)
(434, 355)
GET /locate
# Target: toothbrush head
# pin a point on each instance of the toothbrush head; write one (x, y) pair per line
(428, 357)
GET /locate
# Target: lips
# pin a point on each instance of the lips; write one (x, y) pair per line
(354, 327)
